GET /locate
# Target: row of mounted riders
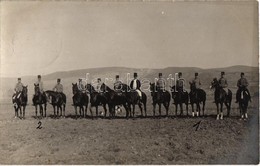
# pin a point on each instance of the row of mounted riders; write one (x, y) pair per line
(129, 98)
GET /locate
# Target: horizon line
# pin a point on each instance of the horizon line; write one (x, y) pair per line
(200, 68)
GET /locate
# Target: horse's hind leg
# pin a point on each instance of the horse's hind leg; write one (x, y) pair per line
(133, 110)
(228, 109)
(203, 108)
(166, 106)
(24, 111)
(105, 108)
(141, 109)
(187, 108)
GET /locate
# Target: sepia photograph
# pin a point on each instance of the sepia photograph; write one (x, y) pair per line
(120, 82)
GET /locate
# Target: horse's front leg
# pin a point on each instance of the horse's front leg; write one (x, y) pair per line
(197, 109)
(76, 112)
(160, 109)
(181, 109)
(36, 111)
(221, 110)
(105, 108)
(192, 108)
(217, 104)
(90, 110)
(154, 106)
(24, 111)
(54, 111)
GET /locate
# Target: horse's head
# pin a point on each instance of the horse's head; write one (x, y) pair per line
(152, 88)
(74, 88)
(90, 88)
(103, 87)
(25, 90)
(214, 83)
(36, 89)
(125, 88)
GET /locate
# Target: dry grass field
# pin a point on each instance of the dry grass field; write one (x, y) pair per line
(166, 140)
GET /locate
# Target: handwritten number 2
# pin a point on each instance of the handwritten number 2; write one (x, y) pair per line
(39, 125)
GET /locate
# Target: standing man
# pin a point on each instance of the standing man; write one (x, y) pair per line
(160, 84)
(223, 82)
(17, 90)
(136, 85)
(180, 83)
(118, 84)
(242, 85)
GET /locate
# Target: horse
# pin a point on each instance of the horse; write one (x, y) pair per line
(96, 99)
(160, 97)
(39, 99)
(243, 103)
(197, 96)
(115, 98)
(57, 100)
(21, 102)
(80, 100)
(133, 98)
(180, 98)
(221, 97)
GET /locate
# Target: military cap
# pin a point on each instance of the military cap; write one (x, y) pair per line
(160, 74)
(80, 79)
(58, 79)
(19, 78)
(196, 74)
(242, 73)
(135, 74)
(39, 76)
(222, 73)
(117, 76)
(180, 73)
(99, 79)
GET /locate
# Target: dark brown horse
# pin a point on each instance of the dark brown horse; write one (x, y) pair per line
(221, 97)
(96, 99)
(243, 103)
(114, 99)
(20, 102)
(197, 96)
(180, 98)
(58, 100)
(160, 97)
(39, 99)
(80, 100)
(133, 98)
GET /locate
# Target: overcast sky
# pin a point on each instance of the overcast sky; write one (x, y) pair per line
(43, 37)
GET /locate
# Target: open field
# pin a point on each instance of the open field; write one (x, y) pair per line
(134, 141)
(168, 140)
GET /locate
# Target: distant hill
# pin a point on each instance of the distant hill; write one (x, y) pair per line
(68, 77)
